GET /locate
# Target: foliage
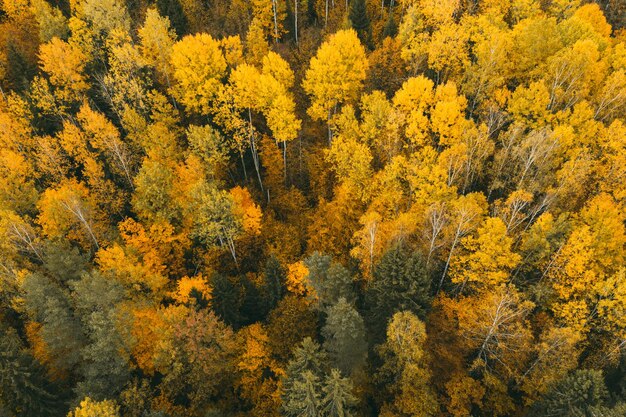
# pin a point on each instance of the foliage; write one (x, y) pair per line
(312, 207)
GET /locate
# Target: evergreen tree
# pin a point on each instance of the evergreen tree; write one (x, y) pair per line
(104, 367)
(225, 300)
(344, 335)
(307, 356)
(391, 27)
(24, 389)
(303, 397)
(174, 11)
(311, 14)
(582, 393)
(361, 22)
(51, 306)
(274, 276)
(400, 283)
(301, 385)
(337, 398)
(331, 281)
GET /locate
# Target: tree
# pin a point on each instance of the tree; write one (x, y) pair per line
(466, 214)
(274, 280)
(153, 189)
(217, 221)
(344, 334)
(198, 66)
(91, 408)
(157, 41)
(104, 17)
(335, 75)
(23, 383)
(581, 269)
(104, 361)
(64, 63)
(405, 368)
(387, 70)
(283, 334)
(494, 334)
(330, 281)
(197, 360)
(303, 397)
(69, 211)
(360, 21)
(52, 22)
(577, 394)
(50, 306)
(401, 283)
(487, 259)
(259, 381)
(301, 384)
(337, 399)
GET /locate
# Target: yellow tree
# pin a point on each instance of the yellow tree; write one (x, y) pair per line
(380, 126)
(406, 364)
(466, 214)
(198, 66)
(448, 52)
(64, 63)
(581, 271)
(414, 101)
(68, 211)
(51, 21)
(335, 75)
(91, 408)
(350, 159)
(17, 188)
(259, 382)
(447, 115)
(278, 102)
(103, 136)
(486, 258)
(157, 40)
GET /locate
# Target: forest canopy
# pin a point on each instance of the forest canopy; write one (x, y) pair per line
(312, 208)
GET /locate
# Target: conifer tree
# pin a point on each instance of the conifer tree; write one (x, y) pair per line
(360, 21)
(401, 283)
(24, 388)
(582, 393)
(337, 399)
(301, 384)
(344, 335)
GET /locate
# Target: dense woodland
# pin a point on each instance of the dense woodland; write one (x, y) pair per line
(312, 208)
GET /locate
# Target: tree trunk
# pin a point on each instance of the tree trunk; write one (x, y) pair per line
(275, 10)
(285, 160)
(326, 15)
(296, 21)
(255, 154)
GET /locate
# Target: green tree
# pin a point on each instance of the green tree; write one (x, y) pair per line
(274, 277)
(104, 363)
(360, 21)
(582, 393)
(401, 283)
(301, 384)
(303, 397)
(24, 388)
(331, 281)
(337, 399)
(344, 335)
